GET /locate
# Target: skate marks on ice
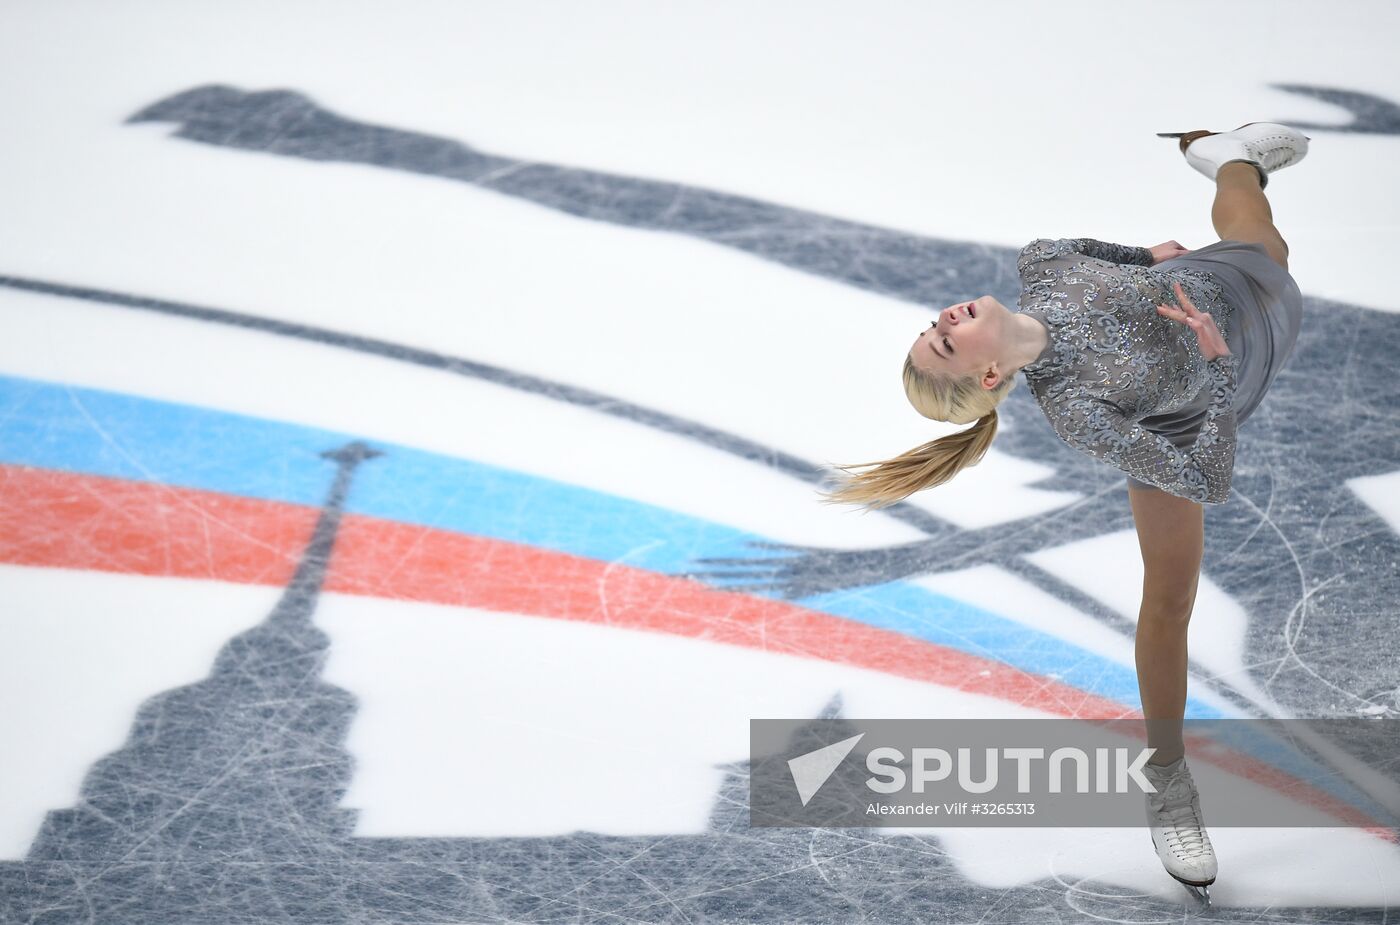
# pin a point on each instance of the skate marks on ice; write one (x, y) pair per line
(592, 400)
(1295, 547)
(787, 864)
(1370, 114)
(226, 808)
(442, 504)
(815, 873)
(905, 266)
(1023, 553)
(284, 122)
(527, 525)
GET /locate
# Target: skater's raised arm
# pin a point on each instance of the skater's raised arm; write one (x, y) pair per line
(1042, 249)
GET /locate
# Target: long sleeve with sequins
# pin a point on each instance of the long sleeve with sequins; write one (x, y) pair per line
(1045, 249)
(1112, 360)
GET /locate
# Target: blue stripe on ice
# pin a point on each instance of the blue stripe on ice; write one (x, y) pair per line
(122, 436)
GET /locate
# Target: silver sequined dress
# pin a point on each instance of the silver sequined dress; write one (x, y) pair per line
(1113, 362)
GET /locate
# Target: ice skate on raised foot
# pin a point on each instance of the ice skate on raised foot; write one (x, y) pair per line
(1178, 829)
(1269, 146)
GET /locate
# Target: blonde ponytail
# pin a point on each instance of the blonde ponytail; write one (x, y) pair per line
(933, 463)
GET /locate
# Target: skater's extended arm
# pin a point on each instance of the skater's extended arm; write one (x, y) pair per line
(1049, 248)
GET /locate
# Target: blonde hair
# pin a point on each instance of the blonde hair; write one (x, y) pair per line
(958, 400)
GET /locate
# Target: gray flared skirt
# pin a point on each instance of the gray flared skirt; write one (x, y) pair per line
(1268, 313)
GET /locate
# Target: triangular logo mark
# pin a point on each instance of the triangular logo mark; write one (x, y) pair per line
(811, 770)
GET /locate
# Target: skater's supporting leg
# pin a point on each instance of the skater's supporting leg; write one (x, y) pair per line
(1171, 534)
(1241, 211)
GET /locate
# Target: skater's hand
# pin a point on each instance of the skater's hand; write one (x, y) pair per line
(1207, 334)
(1166, 251)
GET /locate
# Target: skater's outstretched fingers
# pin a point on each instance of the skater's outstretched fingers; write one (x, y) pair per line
(1208, 336)
(1187, 313)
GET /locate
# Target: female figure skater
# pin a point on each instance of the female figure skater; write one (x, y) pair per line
(1152, 388)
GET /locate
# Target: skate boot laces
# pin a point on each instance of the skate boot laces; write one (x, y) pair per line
(1175, 808)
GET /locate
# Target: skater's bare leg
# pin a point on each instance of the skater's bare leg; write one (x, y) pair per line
(1241, 211)
(1171, 535)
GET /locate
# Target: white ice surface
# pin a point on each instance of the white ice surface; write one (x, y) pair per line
(603, 729)
(944, 119)
(445, 697)
(82, 650)
(878, 112)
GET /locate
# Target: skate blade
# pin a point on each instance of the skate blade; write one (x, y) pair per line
(1201, 894)
(1179, 134)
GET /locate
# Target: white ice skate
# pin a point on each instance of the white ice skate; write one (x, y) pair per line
(1178, 829)
(1269, 146)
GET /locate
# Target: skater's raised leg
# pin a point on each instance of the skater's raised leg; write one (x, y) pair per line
(1241, 211)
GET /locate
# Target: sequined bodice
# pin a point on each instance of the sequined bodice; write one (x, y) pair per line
(1113, 359)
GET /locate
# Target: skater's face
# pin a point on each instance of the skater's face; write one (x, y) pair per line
(966, 340)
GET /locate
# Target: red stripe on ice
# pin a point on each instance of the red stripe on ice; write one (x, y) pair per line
(67, 520)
